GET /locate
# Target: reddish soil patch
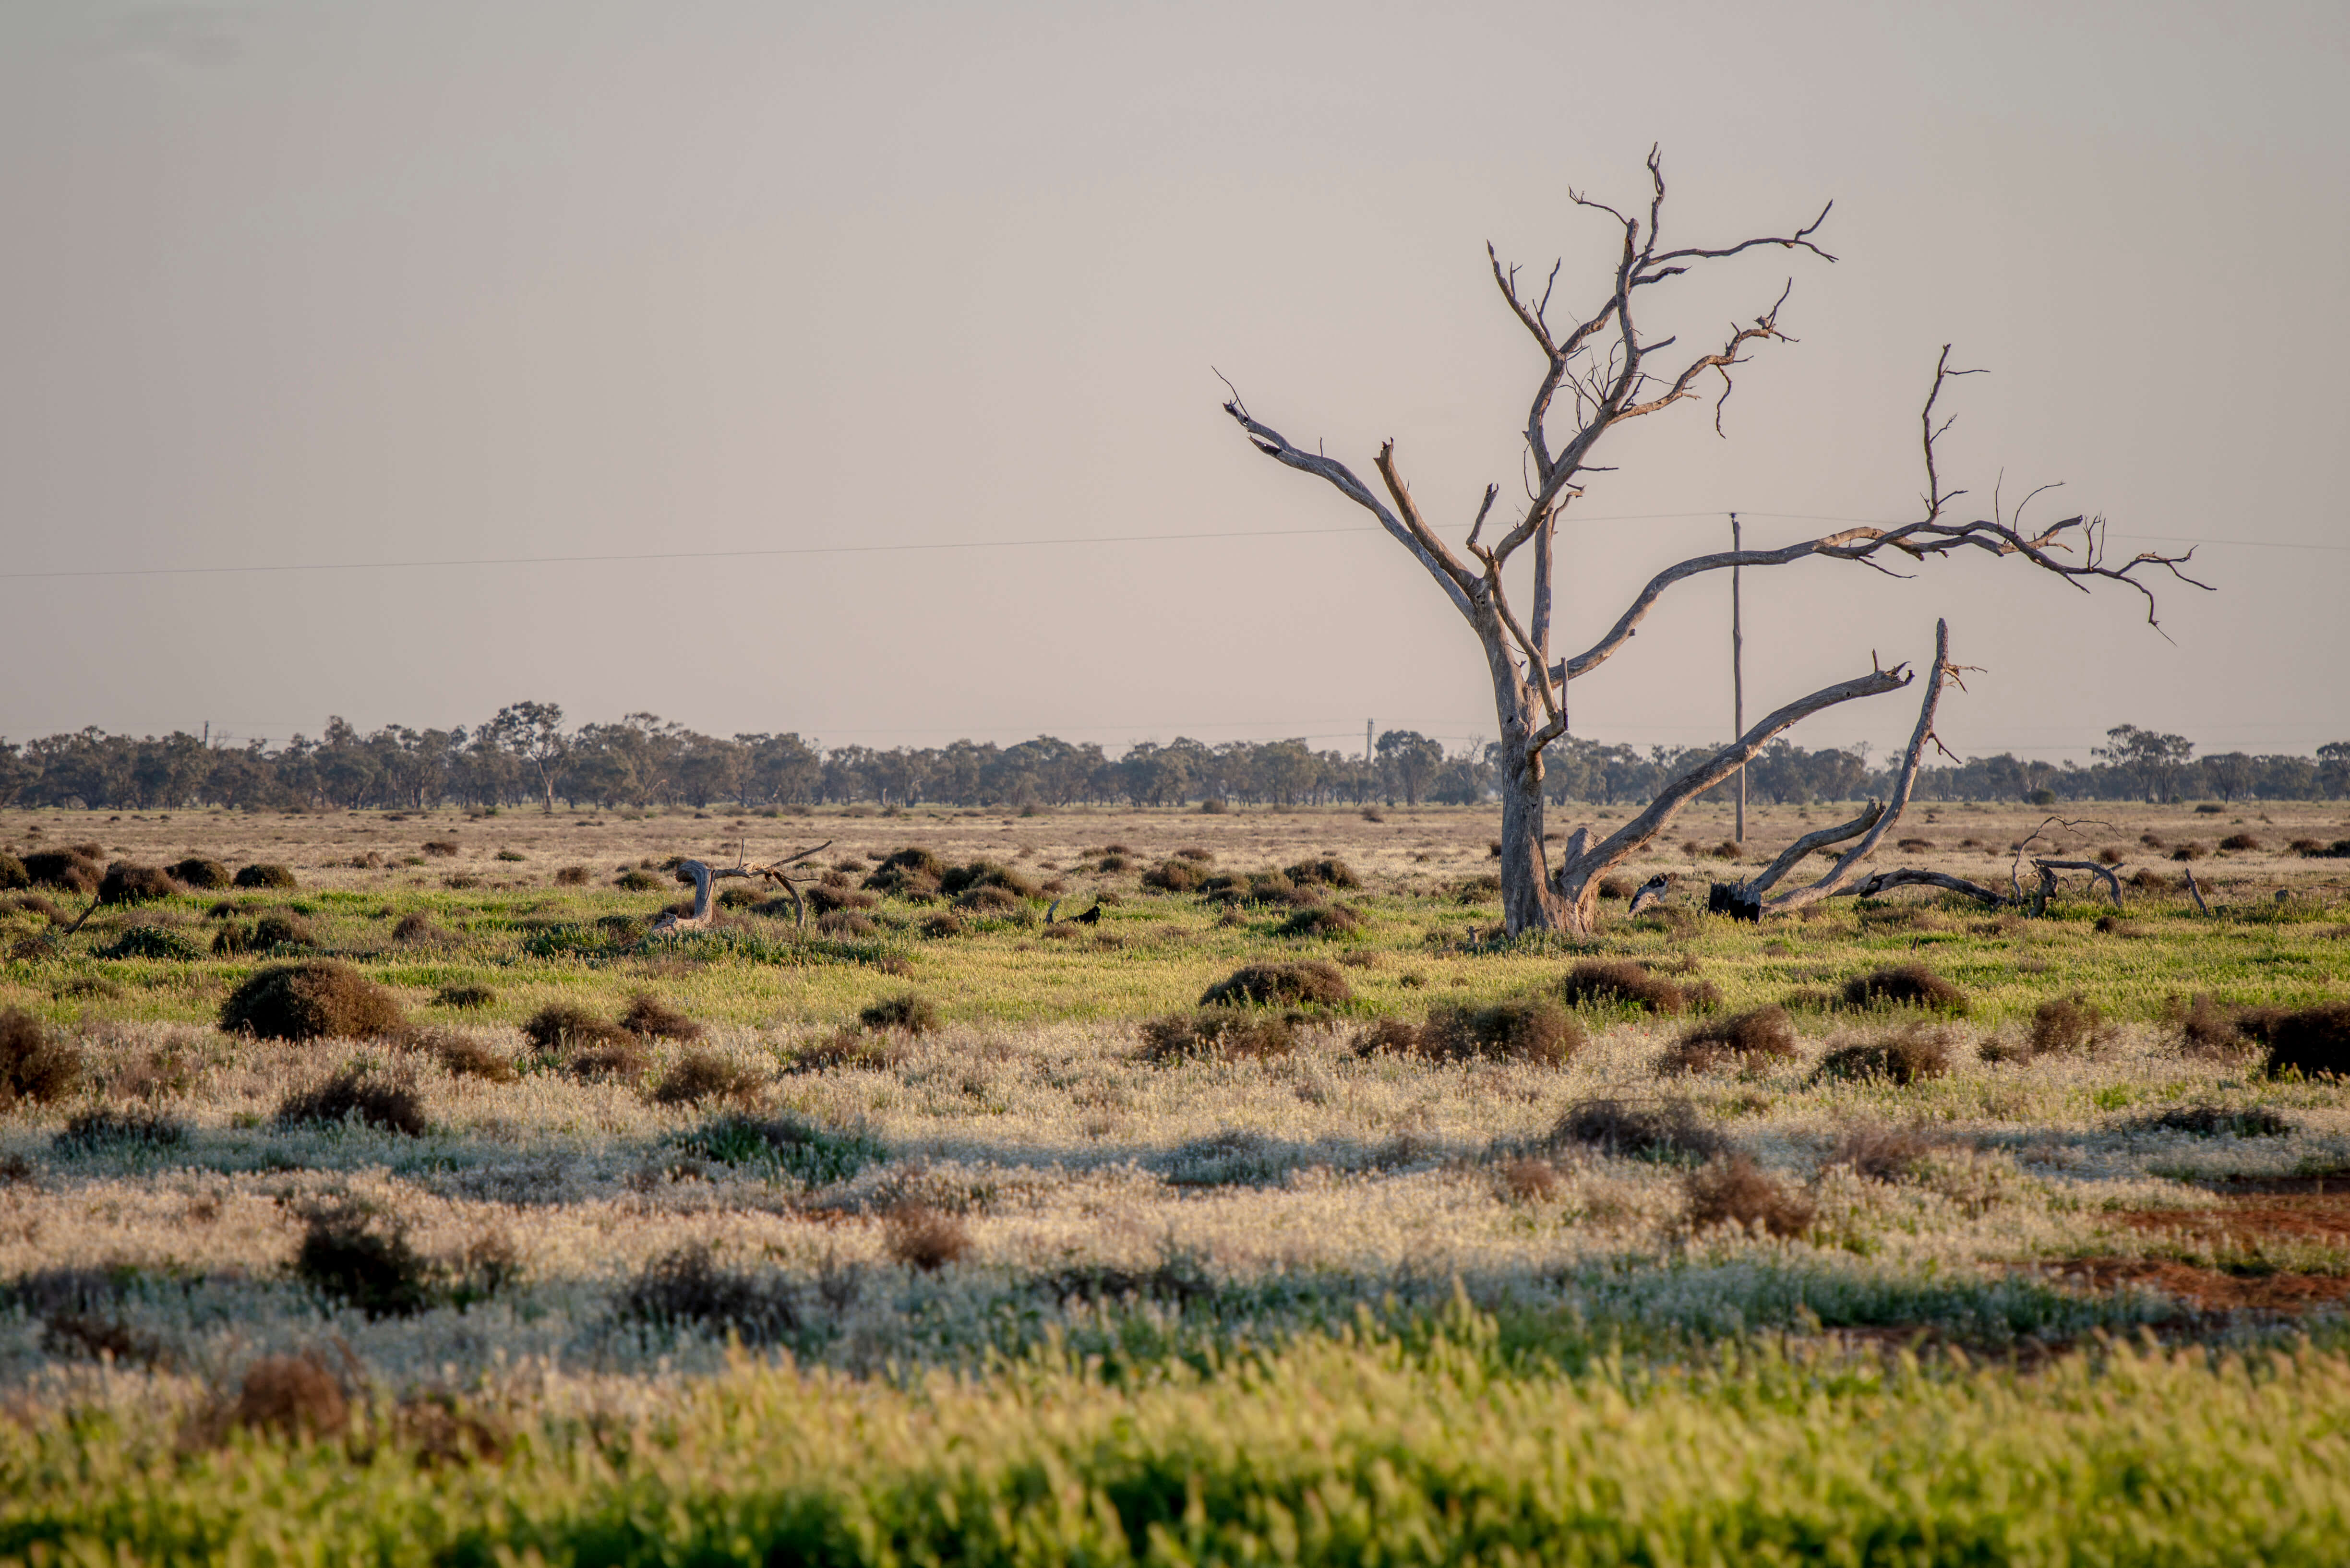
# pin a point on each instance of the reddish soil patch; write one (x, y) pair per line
(2304, 1213)
(2208, 1289)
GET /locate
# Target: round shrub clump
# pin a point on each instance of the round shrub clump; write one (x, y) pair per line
(265, 875)
(1903, 985)
(315, 999)
(198, 871)
(1310, 983)
(127, 883)
(13, 874)
(34, 1064)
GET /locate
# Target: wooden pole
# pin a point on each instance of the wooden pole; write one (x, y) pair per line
(1737, 676)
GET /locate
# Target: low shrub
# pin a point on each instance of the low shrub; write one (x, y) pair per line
(943, 924)
(287, 1397)
(1324, 920)
(351, 1255)
(68, 869)
(1620, 982)
(1903, 985)
(637, 880)
(464, 996)
(264, 875)
(1908, 1056)
(990, 900)
(790, 1144)
(2219, 1121)
(2205, 1028)
(2313, 1042)
(1535, 1030)
(2147, 880)
(1734, 1190)
(848, 1047)
(311, 998)
(462, 1055)
(2110, 854)
(1883, 1153)
(654, 1019)
(124, 883)
(705, 1074)
(1227, 1032)
(959, 879)
(1747, 1037)
(1311, 982)
(2190, 852)
(689, 1288)
(201, 871)
(416, 926)
(622, 1056)
(153, 942)
(2115, 926)
(1657, 1129)
(2065, 1023)
(443, 847)
(356, 1094)
(107, 1130)
(909, 1012)
(1180, 875)
(567, 1027)
(923, 1238)
(1727, 849)
(2239, 842)
(510, 856)
(13, 874)
(1615, 888)
(1326, 872)
(1199, 854)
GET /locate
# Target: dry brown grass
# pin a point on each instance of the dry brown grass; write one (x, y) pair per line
(287, 1397)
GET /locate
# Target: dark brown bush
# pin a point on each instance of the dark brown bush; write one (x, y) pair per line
(1535, 1030)
(1326, 872)
(636, 881)
(1198, 853)
(355, 1094)
(125, 883)
(989, 899)
(2205, 1028)
(1727, 849)
(352, 1255)
(567, 1027)
(2150, 839)
(287, 1397)
(2220, 1121)
(649, 1016)
(1615, 888)
(2115, 926)
(282, 931)
(2313, 1042)
(1110, 864)
(264, 875)
(441, 846)
(311, 998)
(1903, 985)
(959, 879)
(2190, 852)
(1227, 1032)
(2110, 854)
(1908, 1056)
(2147, 880)
(909, 1012)
(200, 871)
(1324, 920)
(911, 872)
(823, 900)
(13, 874)
(1654, 1129)
(1311, 983)
(67, 868)
(1620, 982)
(106, 1128)
(1388, 1034)
(416, 926)
(1915, 843)
(2065, 1023)
(924, 1237)
(464, 996)
(944, 924)
(2241, 841)
(1884, 1153)
(1763, 1032)
(704, 1074)
(1525, 1179)
(466, 1056)
(572, 876)
(1180, 876)
(847, 1047)
(620, 1057)
(1736, 1191)
(689, 1288)
(739, 898)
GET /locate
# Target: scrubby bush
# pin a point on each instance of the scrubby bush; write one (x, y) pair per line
(923, 1238)
(1227, 1032)
(1326, 872)
(909, 1012)
(510, 856)
(567, 1027)
(13, 874)
(462, 1055)
(2313, 1042)
(444, 847)
(620, 1056)
(106, 1129)
(1903, 985)
(990, 900)
(2190, 852)
(1311, 982)
(1179, 876)
(1748, 1037)
(1615, 888)
(287, 1397)
(2239, 842)
(1657, 1129)
(794, 1147)
(1324, 920)
(1883, 1153)
(2205, 1028)
(2219, 1121)
(464, 996)
(2065, 1023)
(655, 1020)
(312, 999)
(201, 871)
(357, 1094)
(69, 868)
(153, 942)
(689, 1288)
(705, 1074)
(1909, 1055)
(961, 880)
(2115, 926)
(637, 880)
(1620, 982)
(1535, 1030)
(265, 875)
(912, 873)
(1734, 1190)
(351, 1255)
(572, 876)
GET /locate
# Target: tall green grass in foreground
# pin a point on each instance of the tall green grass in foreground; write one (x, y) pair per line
(1341, 1451)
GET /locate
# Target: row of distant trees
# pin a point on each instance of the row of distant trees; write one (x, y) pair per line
(527, 753)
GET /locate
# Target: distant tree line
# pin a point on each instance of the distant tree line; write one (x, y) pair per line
(527, 754)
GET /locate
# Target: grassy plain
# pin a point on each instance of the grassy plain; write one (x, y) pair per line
(1043, 1290)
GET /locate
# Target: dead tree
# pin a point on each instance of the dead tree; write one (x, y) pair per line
(1597, 367)
(706, 878)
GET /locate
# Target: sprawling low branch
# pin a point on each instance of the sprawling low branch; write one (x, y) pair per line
(705, 877)
(1912, 876)
(1811, 844)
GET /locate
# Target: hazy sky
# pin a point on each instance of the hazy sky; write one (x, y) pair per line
(307, 284)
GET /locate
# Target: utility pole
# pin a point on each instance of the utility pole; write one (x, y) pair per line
(1369, 780)
(1737, 675)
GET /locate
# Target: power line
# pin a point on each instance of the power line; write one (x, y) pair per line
(991, 544)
